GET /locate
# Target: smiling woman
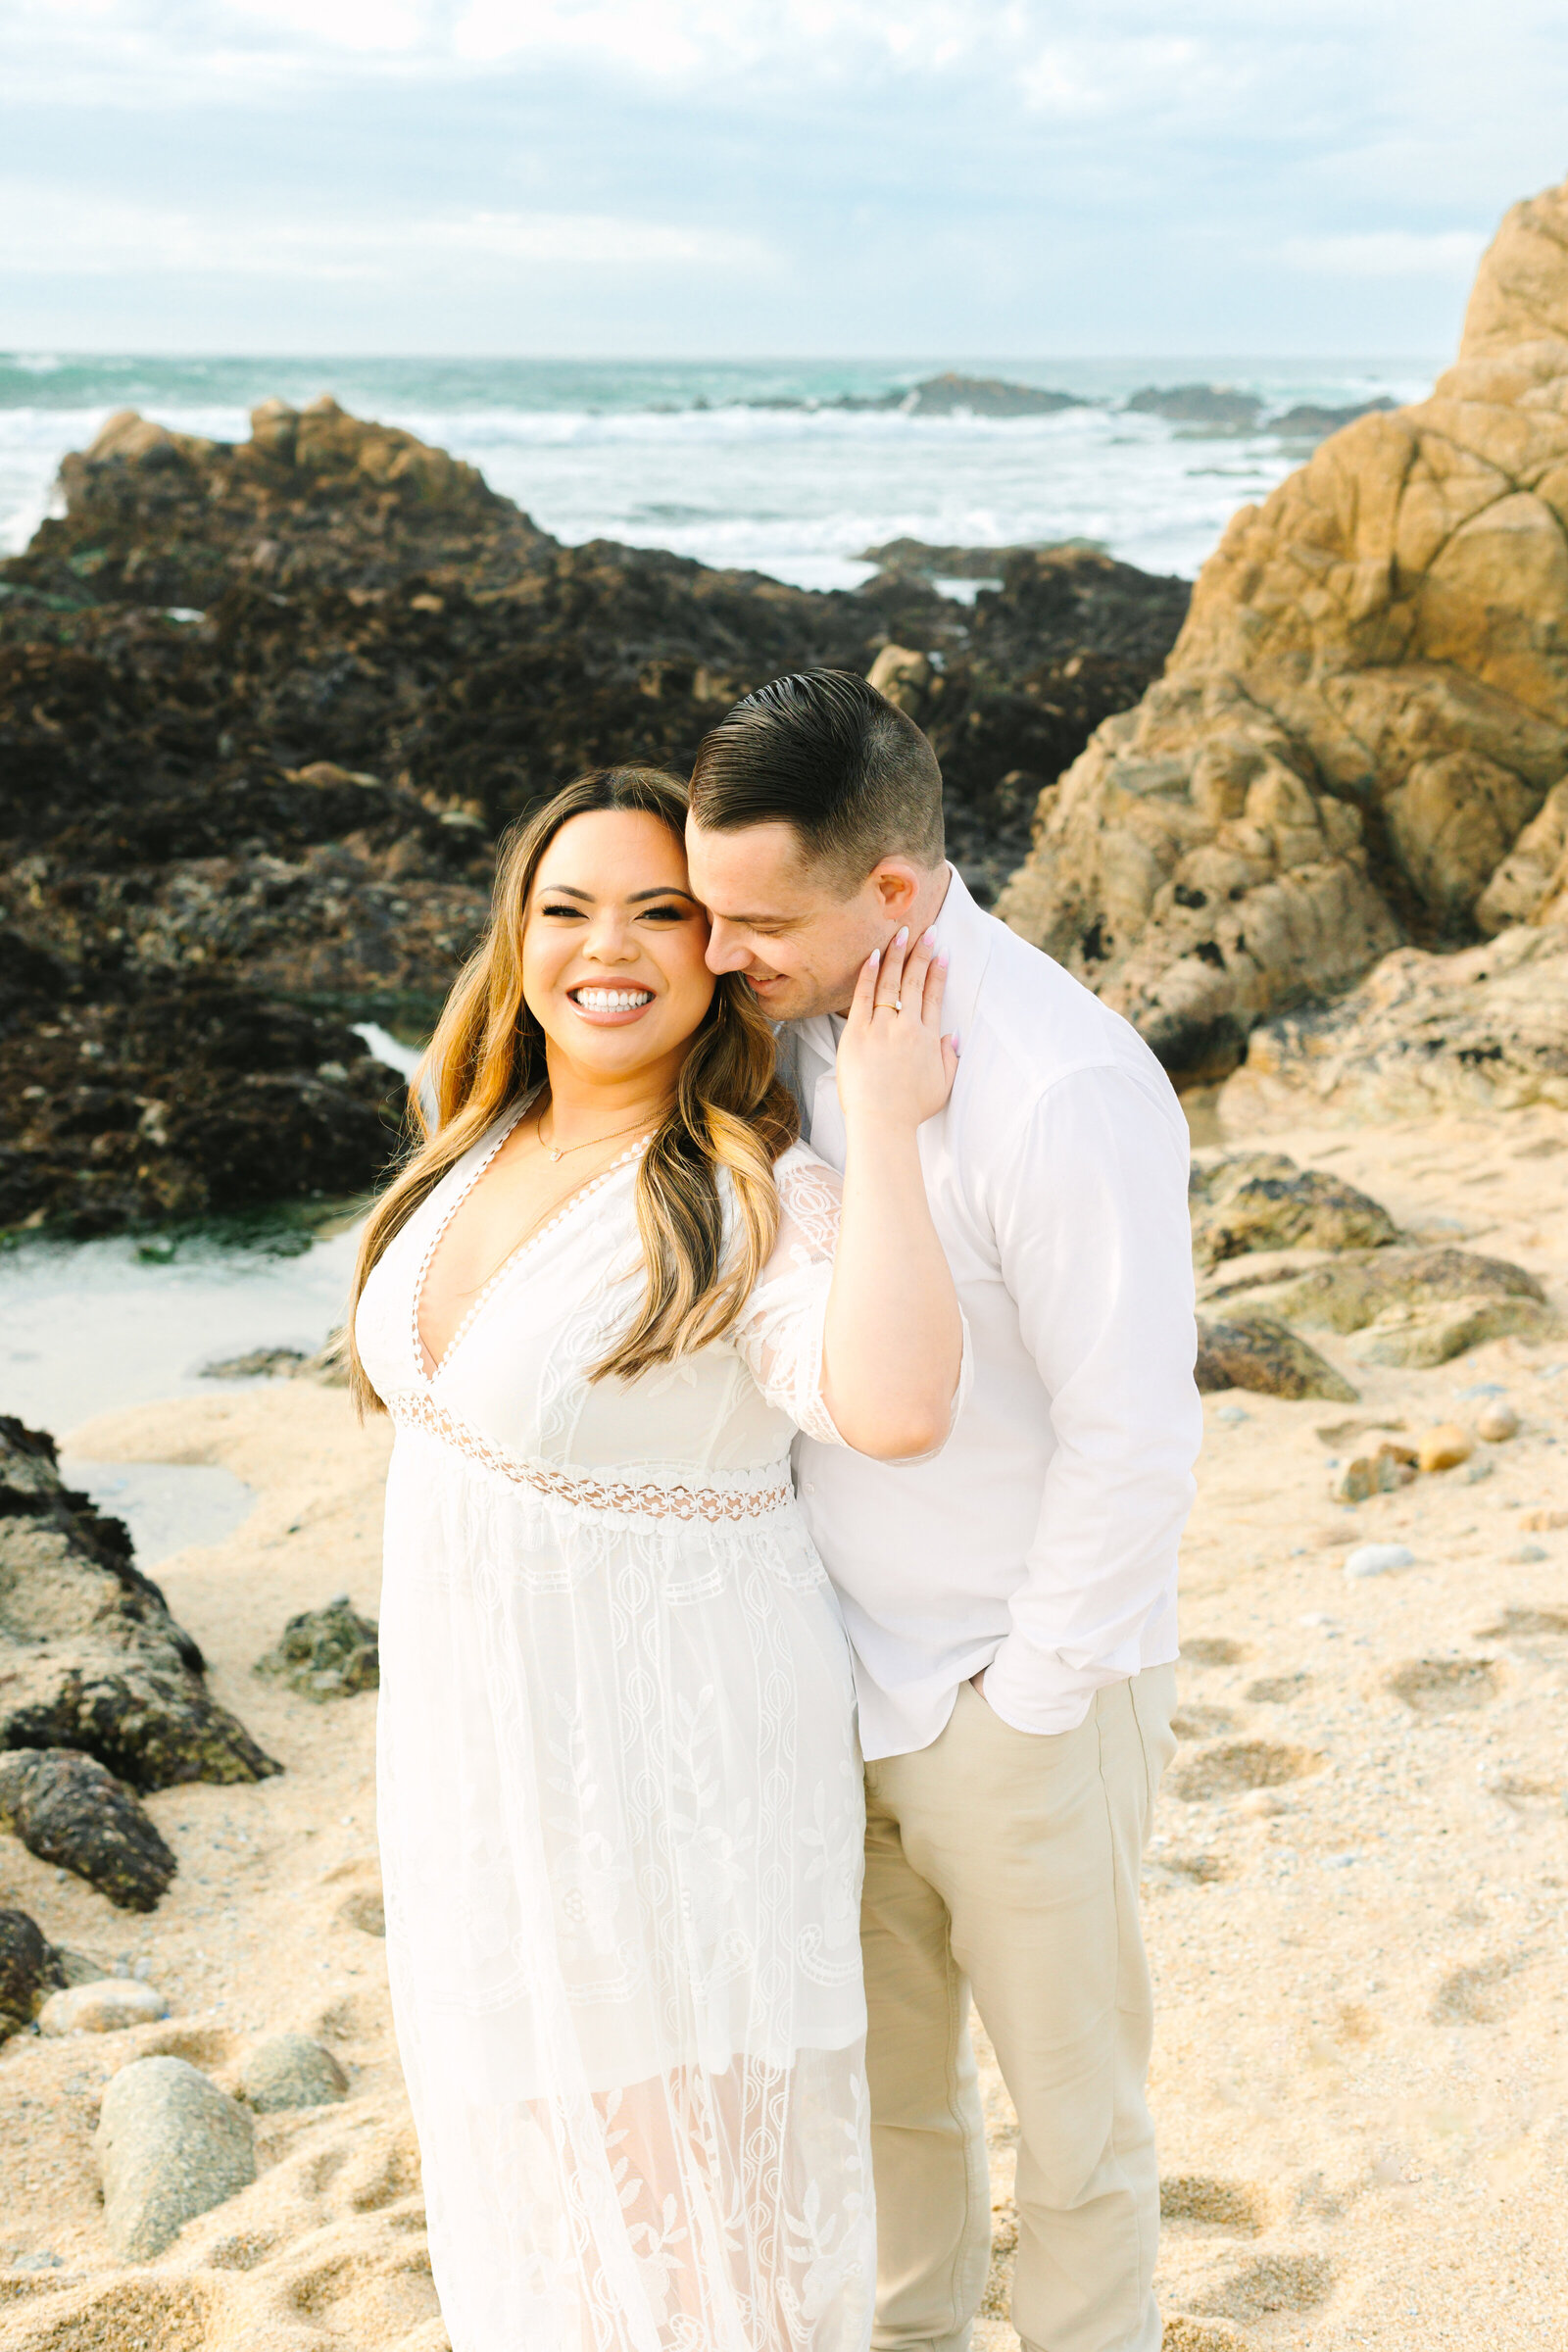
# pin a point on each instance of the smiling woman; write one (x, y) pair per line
(619, 1799)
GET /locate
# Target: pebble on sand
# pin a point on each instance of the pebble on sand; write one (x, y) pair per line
(291, 2070)
(170, 2146)
(1498, 1422)
(1378, 1559)
(102, 2008)
(1445, 1448)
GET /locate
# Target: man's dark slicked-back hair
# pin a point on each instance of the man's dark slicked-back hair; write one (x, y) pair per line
(823, 752)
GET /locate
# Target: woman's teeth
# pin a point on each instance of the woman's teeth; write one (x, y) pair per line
(611, 999)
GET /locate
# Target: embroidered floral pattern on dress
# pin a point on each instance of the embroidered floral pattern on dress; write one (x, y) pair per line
(655, 1496)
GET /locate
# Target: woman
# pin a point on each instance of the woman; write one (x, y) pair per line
(620, 1795)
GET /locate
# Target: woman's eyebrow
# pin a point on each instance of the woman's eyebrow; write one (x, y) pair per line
(670, 890)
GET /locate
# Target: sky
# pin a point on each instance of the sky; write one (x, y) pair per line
(713, 178)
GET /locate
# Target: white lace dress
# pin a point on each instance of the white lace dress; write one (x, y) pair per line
(621, 1804)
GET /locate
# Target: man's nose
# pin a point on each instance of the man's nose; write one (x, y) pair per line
(727, 951)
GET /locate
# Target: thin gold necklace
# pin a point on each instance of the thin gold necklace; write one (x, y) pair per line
(565, 1150)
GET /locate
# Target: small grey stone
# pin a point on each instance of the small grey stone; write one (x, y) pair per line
(170, 2146)
(291, 2070)
(105, 2005)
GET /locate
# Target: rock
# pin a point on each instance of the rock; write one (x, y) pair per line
(1478, 1032)
(1543, 1522)
(1445, 1448)
(1310, 420)
(1531, 885)
(31, 1969)
(1363, 1285)
(1382, 1473)
(108, 2006)
(1365, 711)
(1249, 1201)
(949, 394)
(90, 1658)
(326, 1653)
(1378, 1559)
(902, 676)
(1419, 1339)
(1200, 404)
(1255, 1350)
(69, 1809)
(1497, 1423)
(291, 2070)
(257, 1363)
(216, 832)
(170, 2147)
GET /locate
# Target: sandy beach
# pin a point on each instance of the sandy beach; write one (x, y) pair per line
(1353, 1895)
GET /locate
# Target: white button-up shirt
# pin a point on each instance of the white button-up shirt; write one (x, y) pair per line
(1040, 1544)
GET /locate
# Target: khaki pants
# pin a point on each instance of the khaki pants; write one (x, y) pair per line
(1006, 1863)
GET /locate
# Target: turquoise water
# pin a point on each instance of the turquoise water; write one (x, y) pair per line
(681, 456)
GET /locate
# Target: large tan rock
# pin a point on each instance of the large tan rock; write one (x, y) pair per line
(1481, 1031)
(1362, 725)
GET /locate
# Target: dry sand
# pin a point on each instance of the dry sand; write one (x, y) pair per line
(1361, 2077)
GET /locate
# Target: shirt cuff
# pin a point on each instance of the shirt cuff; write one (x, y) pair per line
(1033, 1694)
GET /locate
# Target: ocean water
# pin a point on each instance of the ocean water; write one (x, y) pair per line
(688, 456)
(685, 456)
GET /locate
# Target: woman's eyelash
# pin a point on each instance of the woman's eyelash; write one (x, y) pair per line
(673, 913)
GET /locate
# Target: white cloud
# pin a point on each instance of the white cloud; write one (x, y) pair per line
(1388, 253)
(60, 233)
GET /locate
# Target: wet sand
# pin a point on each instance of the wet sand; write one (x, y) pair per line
(1356, 1921)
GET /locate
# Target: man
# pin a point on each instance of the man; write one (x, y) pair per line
(1011, 1603)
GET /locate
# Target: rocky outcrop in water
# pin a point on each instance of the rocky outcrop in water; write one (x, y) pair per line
(90, 1658)
(1357, 732)
(264, 708)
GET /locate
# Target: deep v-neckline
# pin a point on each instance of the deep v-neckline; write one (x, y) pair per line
(428, 1368)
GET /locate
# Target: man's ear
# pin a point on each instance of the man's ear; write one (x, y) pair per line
(896, 884)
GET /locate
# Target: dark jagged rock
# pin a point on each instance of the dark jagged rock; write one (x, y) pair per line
(1219, 405)
(1251, 1200)
(982, 396)
(69, 1809)
(31, 1969)
(326, 1653)
(90, 1657)
(264, 708)
(1258, 1351)
(1309, 420)
(919, 559)
(176, 1096)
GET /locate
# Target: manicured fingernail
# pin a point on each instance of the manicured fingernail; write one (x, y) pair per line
(901, 937)
(876, 957)
(943, 961)
(958, 1046)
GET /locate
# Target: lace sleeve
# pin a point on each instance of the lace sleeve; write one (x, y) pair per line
(779, 1335)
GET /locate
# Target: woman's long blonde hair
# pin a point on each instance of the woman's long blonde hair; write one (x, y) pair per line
(731, 1110)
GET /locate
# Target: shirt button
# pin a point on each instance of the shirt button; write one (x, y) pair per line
(809, 1489)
